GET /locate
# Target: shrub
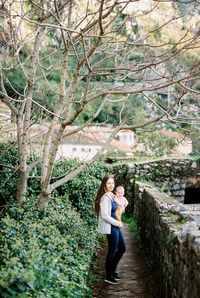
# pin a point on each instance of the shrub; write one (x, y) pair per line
(8, 176)
(45, 253)
(83, 188)
(195, 156)
(48, 253)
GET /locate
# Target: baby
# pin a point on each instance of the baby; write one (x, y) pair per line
(120, 201)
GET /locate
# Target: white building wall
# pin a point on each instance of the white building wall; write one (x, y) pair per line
(81, 151)
(185, 147)
(126, 137)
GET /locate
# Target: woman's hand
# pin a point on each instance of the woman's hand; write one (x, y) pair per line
(120, 225)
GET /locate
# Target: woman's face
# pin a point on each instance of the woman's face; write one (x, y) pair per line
(110, 184)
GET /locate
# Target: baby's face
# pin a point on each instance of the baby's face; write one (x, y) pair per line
(120, 193)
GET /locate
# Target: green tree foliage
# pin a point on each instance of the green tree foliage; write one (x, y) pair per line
(186, 5)
(157, 144)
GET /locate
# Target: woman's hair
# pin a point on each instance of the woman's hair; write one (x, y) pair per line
(101, 192)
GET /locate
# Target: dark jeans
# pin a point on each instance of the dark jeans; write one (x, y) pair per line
(116, 248)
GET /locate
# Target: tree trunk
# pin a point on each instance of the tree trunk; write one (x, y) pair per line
(22, 186)
(44, 199)
(24, 123)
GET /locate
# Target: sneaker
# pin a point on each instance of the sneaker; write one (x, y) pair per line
(116, 276)
(111, 280)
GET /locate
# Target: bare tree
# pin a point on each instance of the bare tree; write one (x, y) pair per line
(101, 52)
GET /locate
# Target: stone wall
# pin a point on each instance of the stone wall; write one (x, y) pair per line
(170, 234)
(169, 230)
(167, 174)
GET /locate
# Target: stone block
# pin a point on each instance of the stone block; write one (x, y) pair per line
(194, 165)
(176, 186)
(188, 227)
(177, 193)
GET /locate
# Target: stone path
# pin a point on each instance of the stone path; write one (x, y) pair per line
(136, 279)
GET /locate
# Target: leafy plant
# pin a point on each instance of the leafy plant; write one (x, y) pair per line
(169, 238)
(83, 188)
(8, 175)
(45, 254)
(164, 186)
(159, 173)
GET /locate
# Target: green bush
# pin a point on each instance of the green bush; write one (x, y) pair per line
(48, 253)
(83, 188)
(8, 176)
(195, 156)
(45, 253)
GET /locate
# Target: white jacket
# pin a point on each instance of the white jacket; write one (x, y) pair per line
(105, 219)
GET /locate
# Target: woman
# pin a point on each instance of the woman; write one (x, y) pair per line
(108, 224)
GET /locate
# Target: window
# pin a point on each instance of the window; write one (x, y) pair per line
(83, 149)
(74, 149)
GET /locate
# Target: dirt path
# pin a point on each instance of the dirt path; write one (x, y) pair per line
(136, 279)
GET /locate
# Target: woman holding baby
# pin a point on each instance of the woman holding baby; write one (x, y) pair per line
(106, 207)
